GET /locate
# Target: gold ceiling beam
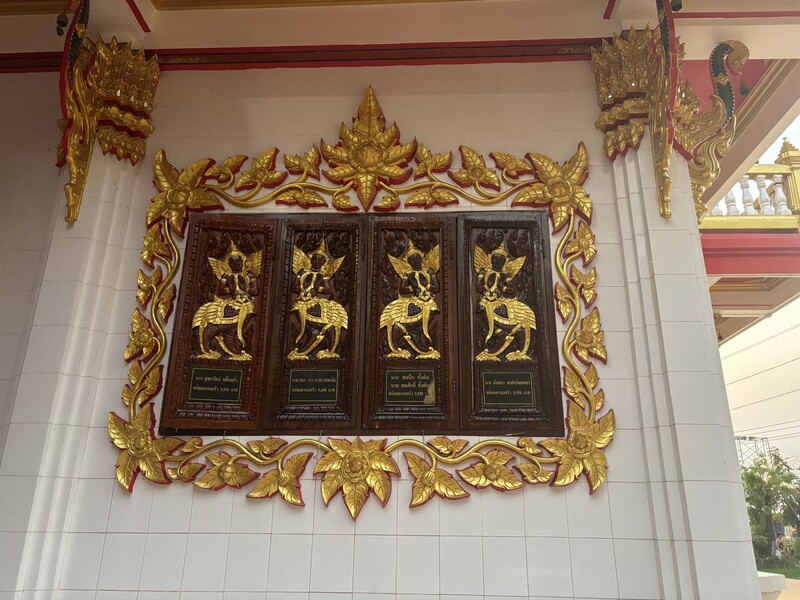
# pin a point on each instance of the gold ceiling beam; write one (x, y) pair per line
(30, 7)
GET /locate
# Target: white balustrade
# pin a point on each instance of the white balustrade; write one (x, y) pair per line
(747, 197)
(780, 196)
(764, 201)
(731, 205)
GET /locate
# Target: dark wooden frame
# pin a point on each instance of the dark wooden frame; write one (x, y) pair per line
(546, 416)
(178, 412)
(378, 414)
(361, 408)
(281, 415)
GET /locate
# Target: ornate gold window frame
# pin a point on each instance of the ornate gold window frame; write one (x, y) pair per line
(370, 161)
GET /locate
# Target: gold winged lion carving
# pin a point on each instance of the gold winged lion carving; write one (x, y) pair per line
(497, 269)
(416, 269)
(237, 275)
(314, 271)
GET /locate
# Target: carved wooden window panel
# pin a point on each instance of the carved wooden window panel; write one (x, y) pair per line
(366, 323)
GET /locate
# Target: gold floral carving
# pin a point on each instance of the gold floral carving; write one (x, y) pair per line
(107, 96)
(636, 86)
(357, 468)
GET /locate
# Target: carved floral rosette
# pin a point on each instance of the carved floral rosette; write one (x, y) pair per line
(370, 161)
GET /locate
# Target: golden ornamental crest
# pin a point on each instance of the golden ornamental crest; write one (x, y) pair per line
(370, 158)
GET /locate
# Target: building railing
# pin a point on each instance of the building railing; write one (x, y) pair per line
(767, 190)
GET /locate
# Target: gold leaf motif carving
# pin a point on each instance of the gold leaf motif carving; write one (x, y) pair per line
(285, 481)
(431, 163)
(308, 164)
(474, 171)
(356, 469)
(511, 165)
(448, 447)
(225, 170)
(141, 340)
(141, 451)
(492, 472)
(154, 246)
(368, 155)
(226, 471)
(429, 481)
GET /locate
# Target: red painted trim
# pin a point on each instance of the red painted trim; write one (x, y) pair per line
(609, 9)
(137, 14)
(757, 254)
(363, 63)
(774, 14)
(374, 55)
(364, 47)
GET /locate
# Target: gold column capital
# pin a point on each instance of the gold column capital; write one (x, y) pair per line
(108, 96)
(638, 78)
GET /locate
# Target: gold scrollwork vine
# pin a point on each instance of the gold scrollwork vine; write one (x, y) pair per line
(369, 160)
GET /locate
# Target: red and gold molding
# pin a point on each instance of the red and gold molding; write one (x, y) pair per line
(639, 84)
(372, 55)
(107, 95)
(357, 468)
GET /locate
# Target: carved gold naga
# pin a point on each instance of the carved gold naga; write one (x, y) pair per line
(369, 160)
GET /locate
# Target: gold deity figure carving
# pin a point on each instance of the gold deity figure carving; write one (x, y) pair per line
(314, 273)
(237, 274)
(418, 271)
(496, 271)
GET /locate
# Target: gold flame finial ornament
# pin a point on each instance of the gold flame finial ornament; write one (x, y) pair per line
(107, 95)
(368, 156)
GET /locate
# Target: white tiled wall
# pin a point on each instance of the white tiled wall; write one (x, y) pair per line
(672, 502)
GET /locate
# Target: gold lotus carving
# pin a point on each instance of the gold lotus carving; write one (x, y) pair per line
(357, 468)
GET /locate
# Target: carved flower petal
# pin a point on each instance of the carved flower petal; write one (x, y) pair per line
(546, 168)
(156, 208)
(531, 195)
(119, 430)
(366, 188)
(331, 483)
(153, 468)
(266, 487)
(596, 467)
(126, 469)
(420, 493)
(568, 470)
(583, 202)
(355, 495)
(603, 430)
(446, 486)
(576, 169)
(166, 176)
(380, 484)
(339, 174)
(192, 175)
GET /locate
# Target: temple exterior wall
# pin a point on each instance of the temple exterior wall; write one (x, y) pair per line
(669, 523)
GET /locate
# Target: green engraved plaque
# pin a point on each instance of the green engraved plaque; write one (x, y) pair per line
(216, 385)
(508, 389)
(313, 386)
(412, 387)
